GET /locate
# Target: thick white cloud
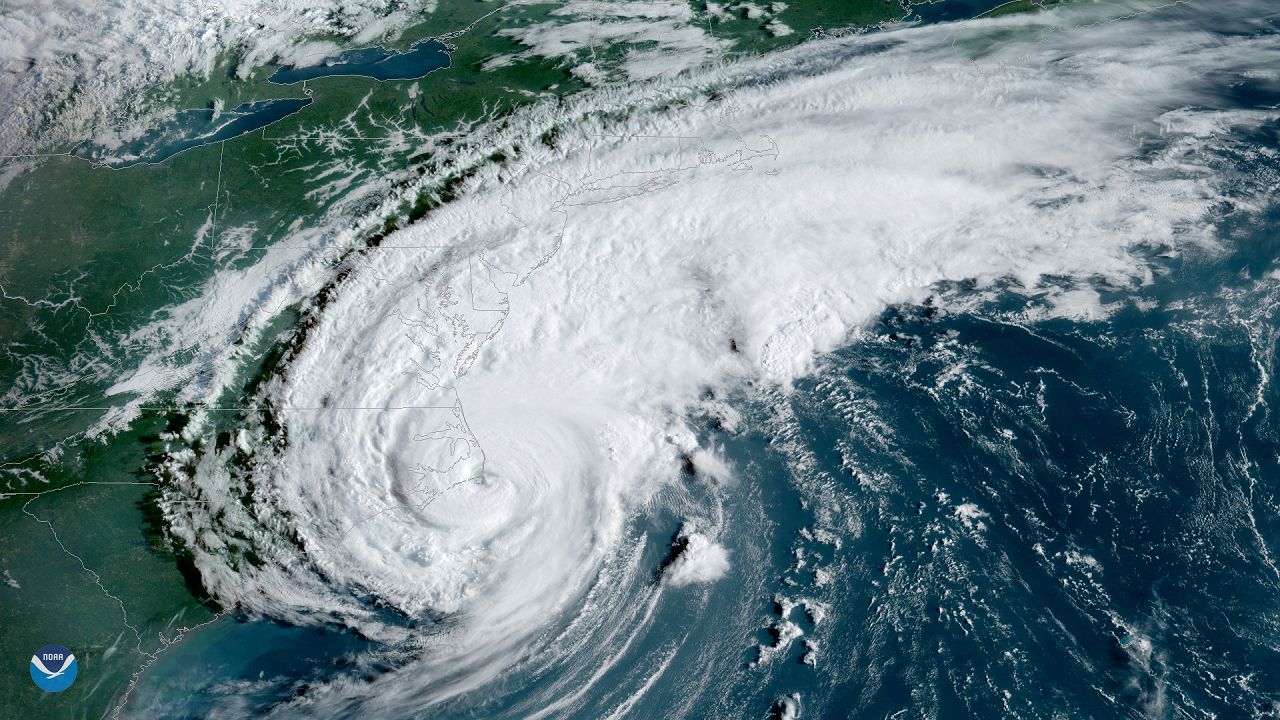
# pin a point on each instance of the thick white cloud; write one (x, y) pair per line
(701, 560)
(487, 398)
(673, 38)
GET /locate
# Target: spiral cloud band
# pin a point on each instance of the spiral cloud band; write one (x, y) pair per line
(454, 451)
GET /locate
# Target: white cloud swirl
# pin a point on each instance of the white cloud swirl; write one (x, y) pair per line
(485, 400)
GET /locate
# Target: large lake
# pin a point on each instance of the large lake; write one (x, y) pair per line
(189, 129)
(376, 63)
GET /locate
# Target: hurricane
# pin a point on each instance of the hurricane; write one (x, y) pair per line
(923, 372)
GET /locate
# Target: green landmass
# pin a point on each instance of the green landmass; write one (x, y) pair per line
(88, 254)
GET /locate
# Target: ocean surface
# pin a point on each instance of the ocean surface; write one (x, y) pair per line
(965, 513)
(978, 508)
(920, 374)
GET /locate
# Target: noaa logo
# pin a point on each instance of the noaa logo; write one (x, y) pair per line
(53, 668)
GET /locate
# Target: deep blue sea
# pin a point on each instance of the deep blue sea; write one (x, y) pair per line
(1017, 517)
(975, 508)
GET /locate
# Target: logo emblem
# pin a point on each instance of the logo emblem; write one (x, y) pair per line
(53, 668)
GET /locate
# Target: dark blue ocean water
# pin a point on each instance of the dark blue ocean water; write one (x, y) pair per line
(1059, 519)
(986, 513)
(976, 508)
